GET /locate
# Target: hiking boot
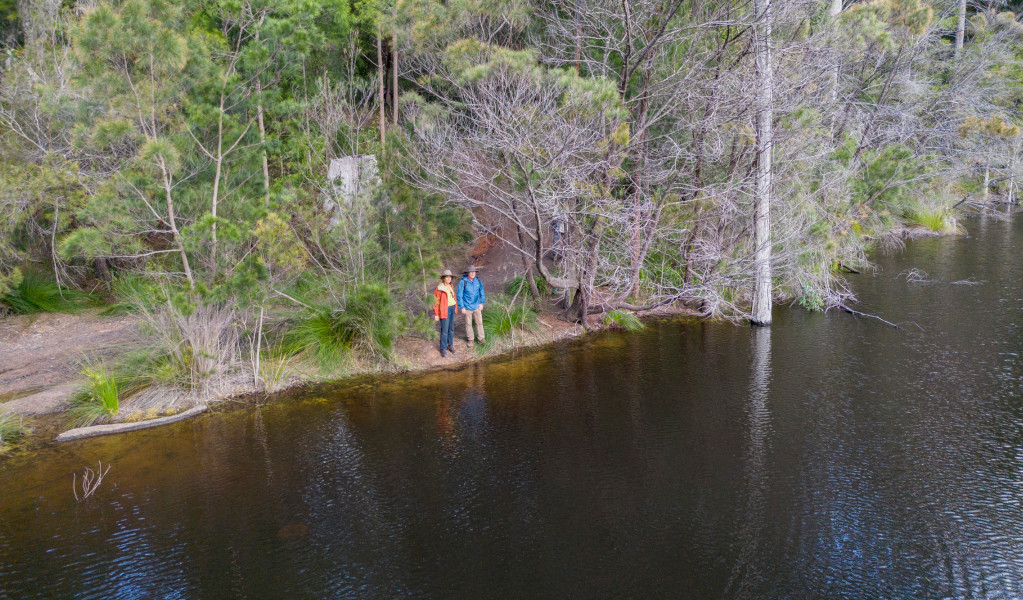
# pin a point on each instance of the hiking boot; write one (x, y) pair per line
(442, 355)
(483, 341)
(451, 349)
(470, 344)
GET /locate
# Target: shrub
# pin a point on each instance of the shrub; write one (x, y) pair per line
(11, 430)
(100, 398)
(623, 320)
(191, 344)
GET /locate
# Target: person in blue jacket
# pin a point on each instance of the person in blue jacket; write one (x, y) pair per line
(471, 298)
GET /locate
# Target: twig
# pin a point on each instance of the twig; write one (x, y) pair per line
(280, 293)
(91, 480)
(863, 314)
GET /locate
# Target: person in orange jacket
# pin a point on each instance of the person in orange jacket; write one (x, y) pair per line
(445, 307)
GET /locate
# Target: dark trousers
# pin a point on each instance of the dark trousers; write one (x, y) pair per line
(447, 329)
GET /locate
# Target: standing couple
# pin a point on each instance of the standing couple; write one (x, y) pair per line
(469, 297)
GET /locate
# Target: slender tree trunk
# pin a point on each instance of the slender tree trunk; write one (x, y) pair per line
(761, 313)
(216, 184)
(960, 29)
(833, 12)
(380, 79)
(533, 291)
(259, 346)
(578, 39)
(173, 223)
(394, 73)
(987, 177)
(262, 127)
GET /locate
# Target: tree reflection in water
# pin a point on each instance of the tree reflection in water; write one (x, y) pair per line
(746, 576)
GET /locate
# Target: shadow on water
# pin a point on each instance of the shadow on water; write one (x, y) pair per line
(827, 457)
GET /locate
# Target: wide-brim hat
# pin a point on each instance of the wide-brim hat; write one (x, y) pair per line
(472, 269)
(446, 273)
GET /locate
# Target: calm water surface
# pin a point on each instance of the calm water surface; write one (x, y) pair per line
(828, 457)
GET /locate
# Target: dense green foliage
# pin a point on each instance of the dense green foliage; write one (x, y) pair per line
(189, 159)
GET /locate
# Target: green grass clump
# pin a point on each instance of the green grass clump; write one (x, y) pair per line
(518, 286)
(100, 398)
(133, 293)
(11, 430)
(153, 366)
(370, 322)
(274, 367)
(501, 319)
(623, 320)
(37, 294)
(931, 219)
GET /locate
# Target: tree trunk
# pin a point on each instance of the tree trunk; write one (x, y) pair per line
(394, 78)
(761, 312)
(987, 178)
(262, 127)
(102, 269)
(960, 29)
(167, 187)
(380, 79)
(578, 56)
(528, 268)
(833, 12)
(216, 183)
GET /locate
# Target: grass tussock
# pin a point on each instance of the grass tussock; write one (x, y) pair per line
(133, 293)
(620, 319)
(274, 368)
(100, 398)
(938, 220)
(519, 287)
(501, 318)
(12, 429)
(369, 323)
(36, 294)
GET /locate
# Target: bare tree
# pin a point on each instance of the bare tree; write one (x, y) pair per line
(762, 290)
(521, 147)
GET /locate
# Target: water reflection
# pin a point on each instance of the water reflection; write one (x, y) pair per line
(747, 575)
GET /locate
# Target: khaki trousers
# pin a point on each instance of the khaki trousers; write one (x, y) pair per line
(474, 315)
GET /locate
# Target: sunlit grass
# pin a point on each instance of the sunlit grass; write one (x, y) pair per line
(99, 398)
(622, 320)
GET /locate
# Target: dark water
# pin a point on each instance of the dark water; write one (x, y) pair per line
(829, 457)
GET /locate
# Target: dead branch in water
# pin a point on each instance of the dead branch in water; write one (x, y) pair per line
(863, 314)
(91, 481)
(916, 276)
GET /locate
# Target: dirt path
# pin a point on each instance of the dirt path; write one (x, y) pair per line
(40, 355)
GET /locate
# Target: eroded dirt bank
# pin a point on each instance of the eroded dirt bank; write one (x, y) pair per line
(41, 355)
